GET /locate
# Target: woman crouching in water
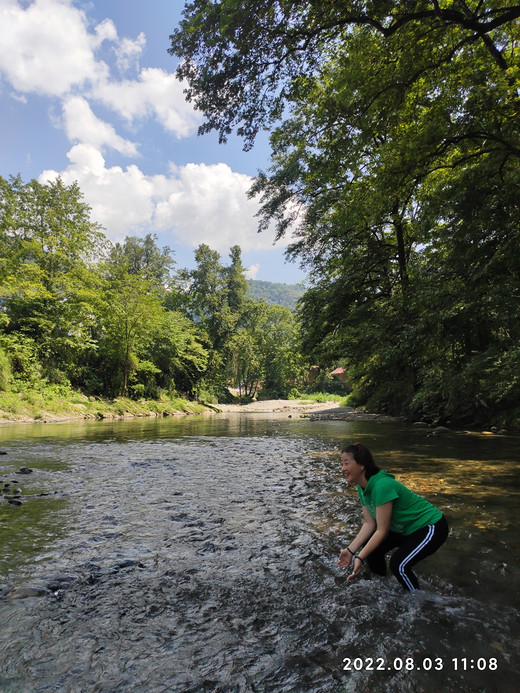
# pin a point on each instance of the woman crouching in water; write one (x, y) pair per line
(393, 517)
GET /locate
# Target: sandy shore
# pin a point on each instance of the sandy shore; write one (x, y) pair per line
(315, 411)
(277, 405)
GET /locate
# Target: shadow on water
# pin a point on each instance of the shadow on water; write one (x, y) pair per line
(199, 554)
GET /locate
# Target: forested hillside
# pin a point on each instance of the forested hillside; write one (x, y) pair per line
(275, 292)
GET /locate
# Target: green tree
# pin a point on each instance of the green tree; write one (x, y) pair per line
(146, 346)
(180, 352)
(283, 365)
(49, 286)
(215, 299)
(241, 60)
(207, 296)
(245, 362)
(236, 283)
(5, 371)
(130, 314)
(143, 257)
(266, 351)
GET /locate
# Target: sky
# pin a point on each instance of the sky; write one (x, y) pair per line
(88, 93)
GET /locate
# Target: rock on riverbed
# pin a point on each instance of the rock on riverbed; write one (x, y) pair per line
(351, 414)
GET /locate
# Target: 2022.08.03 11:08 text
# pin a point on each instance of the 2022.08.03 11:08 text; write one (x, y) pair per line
(424, 664)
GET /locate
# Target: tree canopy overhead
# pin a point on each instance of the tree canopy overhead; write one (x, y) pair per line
(240, 59)
(376, 98)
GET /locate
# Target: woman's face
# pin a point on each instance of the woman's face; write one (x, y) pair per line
(353, 472)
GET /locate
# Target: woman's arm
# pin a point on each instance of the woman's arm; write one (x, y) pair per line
(382, 521)
(365, 532)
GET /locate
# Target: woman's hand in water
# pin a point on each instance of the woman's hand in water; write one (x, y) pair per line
(358, 565)
(345, 558)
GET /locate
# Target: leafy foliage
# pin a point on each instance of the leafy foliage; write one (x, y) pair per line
(117, 320)
(396, 169)
(76, 310)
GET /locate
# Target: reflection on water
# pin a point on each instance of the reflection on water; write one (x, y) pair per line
(199, 554)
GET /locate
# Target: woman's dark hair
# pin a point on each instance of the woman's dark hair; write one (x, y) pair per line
(363, 456)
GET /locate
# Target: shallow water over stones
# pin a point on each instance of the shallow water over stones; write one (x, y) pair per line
(200, 555)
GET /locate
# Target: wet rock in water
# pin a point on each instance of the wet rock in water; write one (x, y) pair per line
(25, 592)
(439, 430)
(9, 490)
(13, 501)
(24, 470)
(3, 452)
(60, 584)
(93, 579)
(126, 564)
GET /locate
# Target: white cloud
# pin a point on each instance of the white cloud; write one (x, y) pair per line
(121, 199)
(128, 52)
(156, 92)
(252, 271)
(45, 48)
(18, 97)
(209, 204)
(81, 125)
(196, 204)
(105, 31)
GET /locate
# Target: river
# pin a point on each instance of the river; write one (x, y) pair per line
(199, 554)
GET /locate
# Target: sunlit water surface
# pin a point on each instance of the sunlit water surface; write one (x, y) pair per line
(199, 554)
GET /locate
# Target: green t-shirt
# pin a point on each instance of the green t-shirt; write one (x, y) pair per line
(410, 511)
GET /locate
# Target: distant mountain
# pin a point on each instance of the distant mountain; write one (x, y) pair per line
(276, 293)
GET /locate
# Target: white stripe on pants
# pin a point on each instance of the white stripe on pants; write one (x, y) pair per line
(407, 559)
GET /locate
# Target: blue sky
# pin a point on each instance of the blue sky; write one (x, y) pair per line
(88, 93)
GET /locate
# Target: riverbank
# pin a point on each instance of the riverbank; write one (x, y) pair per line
(36, 408)
(23, 407)
(305, 406)
(315, 411)
(40, 410)
(333, 411)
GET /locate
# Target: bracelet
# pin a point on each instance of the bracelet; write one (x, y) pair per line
(361, 559)
(352, 553)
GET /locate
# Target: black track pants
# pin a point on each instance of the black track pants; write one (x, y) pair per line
(412, 549)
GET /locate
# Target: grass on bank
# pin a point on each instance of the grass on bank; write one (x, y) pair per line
(322, 397)
(55, 403)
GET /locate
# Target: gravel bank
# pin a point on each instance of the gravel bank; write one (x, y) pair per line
(315, 411)
(278, 405)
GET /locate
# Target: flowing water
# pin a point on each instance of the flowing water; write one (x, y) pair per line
(199, 554)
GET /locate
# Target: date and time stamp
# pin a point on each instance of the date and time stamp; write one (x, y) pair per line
(352, 664)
